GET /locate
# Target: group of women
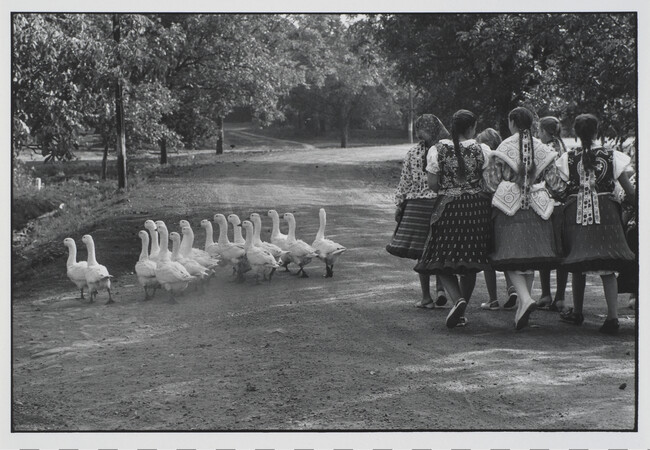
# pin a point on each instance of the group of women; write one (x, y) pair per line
(520, 205)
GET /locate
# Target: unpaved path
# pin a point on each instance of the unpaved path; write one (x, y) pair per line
(346, 353)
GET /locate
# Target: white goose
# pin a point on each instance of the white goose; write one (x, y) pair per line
(193, 267)
(278, 238)
(273, 249)
(261, 261)
(171, 275)
(236, 227)
(210, 246)
(300, 252)
(188, 251)
(155, 247)
(97, 275)
(145, 268)
(328, 250)
(231, 253)
(76, 271)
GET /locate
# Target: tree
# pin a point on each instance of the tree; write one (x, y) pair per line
(489, 63)
(347, 80)
(228, 60)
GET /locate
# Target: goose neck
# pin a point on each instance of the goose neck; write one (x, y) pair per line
(144, 251)
(175, 249)
(209, 239)
(292, 228)
(248, 243)
(186, 243)
(237, 235)
(72, 254)
(155, 247)
(223, 233)
(164, 243)
(321, 228)
(92, 260)
(275, 231)
(257, 231)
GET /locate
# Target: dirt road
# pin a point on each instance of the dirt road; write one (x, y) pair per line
(342, 353)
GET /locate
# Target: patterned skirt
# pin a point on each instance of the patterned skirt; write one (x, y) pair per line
(596, 247)
(459, 238)
(523, 242)
(412, 230)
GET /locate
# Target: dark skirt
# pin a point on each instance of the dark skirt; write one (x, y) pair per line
(459, 238)
(523, 242)
(412, 230)
(598, 246)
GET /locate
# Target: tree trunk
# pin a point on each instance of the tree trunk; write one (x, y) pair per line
(410, 124)
(163, 151)
(105, 159)
(220, 135)
(345, 128)
(317, 124)
(119, 116)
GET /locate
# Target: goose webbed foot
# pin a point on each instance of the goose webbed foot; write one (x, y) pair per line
(82, 294)
(110, 298)
(329, 271)
(302, 273)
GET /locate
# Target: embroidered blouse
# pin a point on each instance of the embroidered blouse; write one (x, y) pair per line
(610, 164)
(442, 161)
(511, 191)
(413, 181)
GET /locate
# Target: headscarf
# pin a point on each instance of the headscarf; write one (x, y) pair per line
(432, 125)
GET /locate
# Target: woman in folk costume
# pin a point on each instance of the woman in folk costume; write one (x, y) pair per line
(521, 172)
(492, 139)
(594, 240)
(415, 201)
(459, 237)
(550, 131)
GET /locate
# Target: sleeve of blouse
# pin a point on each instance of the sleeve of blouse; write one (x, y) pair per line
(554, 181)
(621, 161)
(486, 155)
(492, 174)
(562, 165)
(405, 181)
(432, 160)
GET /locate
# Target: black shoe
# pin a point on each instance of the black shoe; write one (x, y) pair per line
(511, 302)
(557, 305)
(456, 313)
(610, 326)
(570, 316)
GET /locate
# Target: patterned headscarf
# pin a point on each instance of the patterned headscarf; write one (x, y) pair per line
(432, 125)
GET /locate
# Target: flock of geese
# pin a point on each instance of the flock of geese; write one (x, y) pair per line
(175, 270)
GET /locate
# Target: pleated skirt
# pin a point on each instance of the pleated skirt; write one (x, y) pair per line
(596, 247)
(412, 230)
(459, 238)
(524, 242)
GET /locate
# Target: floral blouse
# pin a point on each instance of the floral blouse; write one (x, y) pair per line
(413, 181)
(442, 160)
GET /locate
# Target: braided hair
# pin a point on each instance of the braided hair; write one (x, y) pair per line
(523, 120)
(586, 127)
(552, 126)
(461, 121)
